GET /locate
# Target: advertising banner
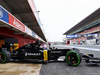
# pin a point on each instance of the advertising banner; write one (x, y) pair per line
(36, 36)
(4, 15)
(28, 31)
(71, 36)
(16, 23)
(93, 35)
(33, 34)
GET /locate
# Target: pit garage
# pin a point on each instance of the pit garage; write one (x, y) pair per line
(88, 30)
(19, 23)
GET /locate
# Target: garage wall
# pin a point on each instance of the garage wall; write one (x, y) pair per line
(8, 34)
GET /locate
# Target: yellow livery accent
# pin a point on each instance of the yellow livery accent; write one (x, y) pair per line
(45, 54)
(69, 58)
(74, 61)
(16, 46)
(2, 42)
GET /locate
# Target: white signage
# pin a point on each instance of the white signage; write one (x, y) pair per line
(28, 31)
(1, 13)
(32, 54)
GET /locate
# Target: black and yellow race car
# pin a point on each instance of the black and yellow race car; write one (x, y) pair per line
(33, 52)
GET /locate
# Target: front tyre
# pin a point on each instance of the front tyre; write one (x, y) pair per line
(73, 58)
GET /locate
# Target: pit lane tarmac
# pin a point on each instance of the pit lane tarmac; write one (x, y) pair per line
(61, 68)
(19, 69)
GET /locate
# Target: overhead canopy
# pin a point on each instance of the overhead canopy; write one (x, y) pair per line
(26, 12)
(92, 17)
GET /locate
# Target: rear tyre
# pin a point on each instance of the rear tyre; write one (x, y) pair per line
(73, 58)
(5, 56)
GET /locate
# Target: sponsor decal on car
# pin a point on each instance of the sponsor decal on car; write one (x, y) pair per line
(55, 51)
(32, 54)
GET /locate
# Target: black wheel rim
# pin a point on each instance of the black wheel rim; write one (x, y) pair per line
(72, 58)
(2, 57)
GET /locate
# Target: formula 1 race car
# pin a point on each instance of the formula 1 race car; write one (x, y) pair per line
(33, 52)
(90, 59)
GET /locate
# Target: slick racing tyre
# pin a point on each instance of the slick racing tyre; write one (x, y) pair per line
(5, 56)
(73, 58)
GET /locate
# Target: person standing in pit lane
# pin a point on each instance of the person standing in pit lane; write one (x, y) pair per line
(44, 46)
(49, 44)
